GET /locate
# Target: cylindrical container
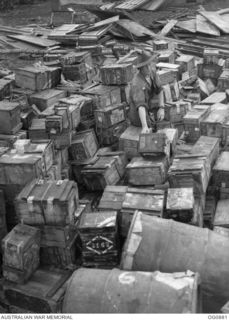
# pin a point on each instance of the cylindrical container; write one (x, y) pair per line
(168, 246)
(116, 291)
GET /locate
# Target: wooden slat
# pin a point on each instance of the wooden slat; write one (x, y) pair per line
(168, 27)
(131, 4)
(217, 20)
(203, 26)
(40, 42)
(104, 23)
(189, 25)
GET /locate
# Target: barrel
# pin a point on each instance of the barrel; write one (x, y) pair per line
(168, 246)
(116, 291)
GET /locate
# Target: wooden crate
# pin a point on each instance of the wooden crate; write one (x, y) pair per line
(84, 145)
(186, 62)
(166, 77)
(56, 236)
(207, 146)
(73, 57)
(61, 257)
(143, 172)
(103, 96)
(62, 140)
(19, 169)
(21, 253)
(43, 293)
(221, 218)
(175, 111)
(216, 97)
(106, 170)
(83, 103)
(180, 205)
(209, 210)
(172, 136)
(112, 198)
(10, 121)
(192, 122)
(48, 202)
(129, 140)
(110, 116)
(148, 201)
(43, 148)
(55, 124)
(223, 80)
(116, 74)
(212, 125)
(27, 118)
(5, 88)
(209, 71)
(211, 56)
(111, 135)
(154, 144)
(73, 112)
(37, 78)
(220, 172)
(167, 56)
(37, 131)
(76, 72)
(100, 240)
(7, 140)
(46, 98)
(190, 171)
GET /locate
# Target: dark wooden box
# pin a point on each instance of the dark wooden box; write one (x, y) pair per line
(99, 236)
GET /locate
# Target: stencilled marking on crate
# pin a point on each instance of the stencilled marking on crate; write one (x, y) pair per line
(99, 245)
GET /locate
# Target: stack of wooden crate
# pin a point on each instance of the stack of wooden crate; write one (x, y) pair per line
(51, 206)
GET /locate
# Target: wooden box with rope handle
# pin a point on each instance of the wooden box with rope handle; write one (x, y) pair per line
(47, 203)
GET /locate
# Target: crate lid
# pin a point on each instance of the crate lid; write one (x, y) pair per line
(12, 158)
(103, 219)
(8, 106)
(180, 199)
(139, 162)
(141, 201)
(21, 235)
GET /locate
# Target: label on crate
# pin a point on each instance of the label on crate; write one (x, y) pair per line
(117, 116)
(99, 245)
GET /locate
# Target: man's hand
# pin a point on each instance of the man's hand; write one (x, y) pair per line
(146, 130)
(161, 114)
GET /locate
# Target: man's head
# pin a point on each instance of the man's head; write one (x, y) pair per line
(146, 63)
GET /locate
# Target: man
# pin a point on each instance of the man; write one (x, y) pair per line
(144, 87)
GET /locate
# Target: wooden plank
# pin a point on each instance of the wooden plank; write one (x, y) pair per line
(189, 25)
(168, 27)
(203, 26)
(217, 20)
(135, 28)
(131, 4)
(153, 5)
(83, 2)
(40, 42)
(104, 22)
